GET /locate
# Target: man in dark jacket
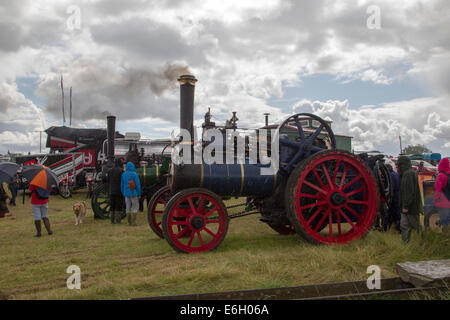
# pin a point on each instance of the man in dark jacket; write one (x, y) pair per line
(115, 194)
(393, 212)
(410, 203)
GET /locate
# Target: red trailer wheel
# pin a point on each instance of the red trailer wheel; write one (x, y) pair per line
(195, 220)
(155, 210)
(334, 189)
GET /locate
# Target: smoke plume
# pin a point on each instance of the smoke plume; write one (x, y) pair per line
(128, 93)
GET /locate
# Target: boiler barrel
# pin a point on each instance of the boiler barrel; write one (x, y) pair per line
(225, 179)
(149, 176)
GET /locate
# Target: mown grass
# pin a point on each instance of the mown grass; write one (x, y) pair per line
(120, 262)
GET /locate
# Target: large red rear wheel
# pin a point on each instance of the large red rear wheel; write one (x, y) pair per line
(334, 189)
(155, 209)
(195, 220)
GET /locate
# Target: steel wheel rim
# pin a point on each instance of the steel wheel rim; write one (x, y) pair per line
(156, 215)
(199, 228)
(348, 179)
(100, 202)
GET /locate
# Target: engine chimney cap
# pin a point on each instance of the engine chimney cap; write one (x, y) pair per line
(187, 78)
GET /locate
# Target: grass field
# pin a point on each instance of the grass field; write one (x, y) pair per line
(120, 262)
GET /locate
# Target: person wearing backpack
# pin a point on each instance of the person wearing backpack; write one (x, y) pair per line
(39, 205)
(131, 190)
(442, 193)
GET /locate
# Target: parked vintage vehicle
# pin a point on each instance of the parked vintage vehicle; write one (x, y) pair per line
(325, 195)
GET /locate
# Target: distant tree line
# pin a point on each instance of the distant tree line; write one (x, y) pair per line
(418, 148)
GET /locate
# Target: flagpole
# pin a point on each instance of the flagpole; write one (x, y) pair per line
(62, 91)
(70, 106)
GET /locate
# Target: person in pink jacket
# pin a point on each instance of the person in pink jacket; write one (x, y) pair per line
(442, 193)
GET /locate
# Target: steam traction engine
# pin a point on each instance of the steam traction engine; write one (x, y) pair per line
(325, 195)
(151, 169)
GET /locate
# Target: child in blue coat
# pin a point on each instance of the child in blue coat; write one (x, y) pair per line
(131, 190)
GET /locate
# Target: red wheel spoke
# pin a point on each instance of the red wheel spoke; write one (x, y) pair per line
(307, 195)
(320, 223)
(209, 231)
(181, 233)
(352, 182)
(316, 204)
(309, 184)
(318, 178)
(352, 211)
(338, 162)
(158, 224)
(200, 239)
(327, 175)
(344, 175)
(365, 203)
(158, 211)
(346, 218)
(354, 192)
(211, 211)
(200, 205)
(191, 239)
(191, 205)
(314, 216)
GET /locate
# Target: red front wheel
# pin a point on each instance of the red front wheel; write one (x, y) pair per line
(195, 220)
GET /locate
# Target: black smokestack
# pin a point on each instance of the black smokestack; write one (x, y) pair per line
(187, 92)
(266, 116)
(110, 133)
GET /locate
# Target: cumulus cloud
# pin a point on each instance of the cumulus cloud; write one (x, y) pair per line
(20, 121)
(379, 127)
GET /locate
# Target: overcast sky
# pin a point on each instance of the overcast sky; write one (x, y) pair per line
(377, 77)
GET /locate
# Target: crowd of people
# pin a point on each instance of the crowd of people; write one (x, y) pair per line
(124, 189)
(407, 205)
